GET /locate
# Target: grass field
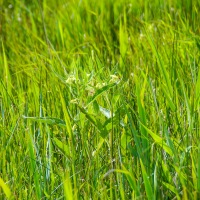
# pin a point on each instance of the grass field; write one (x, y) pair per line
(100, 99)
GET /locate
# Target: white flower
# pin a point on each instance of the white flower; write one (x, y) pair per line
(71, 79)
(114, 79)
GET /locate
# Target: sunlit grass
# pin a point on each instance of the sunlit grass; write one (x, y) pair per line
(99, 99)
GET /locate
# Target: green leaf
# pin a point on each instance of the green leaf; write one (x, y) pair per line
(67, 183)
(162, 69)
(147, 183)
(171, 188)
(198, 169)
(5, 188)
(160, 141)
(94, 122)
(129, 176)
(99, 92)
(47, 120)
(63, 147)
(197, 90)
(34, 168)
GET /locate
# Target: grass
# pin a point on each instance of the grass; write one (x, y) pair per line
(99, 99)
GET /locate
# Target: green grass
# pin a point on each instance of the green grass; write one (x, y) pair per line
(99, 99)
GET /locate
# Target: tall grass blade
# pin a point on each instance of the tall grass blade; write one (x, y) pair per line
(147, 184)
(68, 187)
(5, 188)
(160, 141)
(162, 69)
(34, 168)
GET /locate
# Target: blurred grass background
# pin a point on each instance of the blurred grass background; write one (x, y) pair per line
(99, 99)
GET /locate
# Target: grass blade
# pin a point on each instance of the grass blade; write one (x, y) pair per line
(99, 92)
(160, 141)
(5, 188)
(147, 183)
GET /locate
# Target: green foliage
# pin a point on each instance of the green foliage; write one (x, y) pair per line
(99, 99)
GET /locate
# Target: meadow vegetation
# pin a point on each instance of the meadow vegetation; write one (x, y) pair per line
(99, 99)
